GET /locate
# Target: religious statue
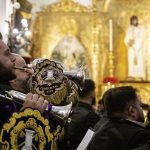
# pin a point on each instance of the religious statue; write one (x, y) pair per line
(70, 51)
(134, 41)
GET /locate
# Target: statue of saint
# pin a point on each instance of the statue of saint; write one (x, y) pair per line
(70, 51)
(134, 41)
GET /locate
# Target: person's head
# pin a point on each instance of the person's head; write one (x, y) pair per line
(134, 20)
(7, 71)
(125, 102)
(22, 74)
(88, 91)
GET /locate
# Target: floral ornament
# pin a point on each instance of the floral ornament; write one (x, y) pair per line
(112, 80)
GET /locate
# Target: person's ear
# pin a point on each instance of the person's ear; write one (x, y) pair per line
(132, 113)
(12, 81)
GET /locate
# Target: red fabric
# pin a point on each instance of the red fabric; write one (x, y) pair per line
(110, 79)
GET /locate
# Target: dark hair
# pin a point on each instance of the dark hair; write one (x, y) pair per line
(133, 18)
(100, 102)
(116, 99)
(1, 37)
(148, 115)
(88, 86)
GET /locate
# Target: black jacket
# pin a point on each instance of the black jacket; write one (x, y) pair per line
(82, 118)
(119, 134)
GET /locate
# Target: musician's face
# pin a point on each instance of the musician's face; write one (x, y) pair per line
(22, 75)
(7, 71)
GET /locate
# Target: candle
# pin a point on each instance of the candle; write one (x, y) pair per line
(110, 35)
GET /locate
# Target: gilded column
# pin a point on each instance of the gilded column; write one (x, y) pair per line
(95, 47)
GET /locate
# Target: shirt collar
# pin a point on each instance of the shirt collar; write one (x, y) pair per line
(137, 122)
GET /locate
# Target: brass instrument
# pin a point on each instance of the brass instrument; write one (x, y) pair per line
(61, 112)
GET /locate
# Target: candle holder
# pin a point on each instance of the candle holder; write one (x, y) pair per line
(110, 81)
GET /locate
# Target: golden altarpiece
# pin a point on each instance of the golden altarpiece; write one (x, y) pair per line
(68, 20)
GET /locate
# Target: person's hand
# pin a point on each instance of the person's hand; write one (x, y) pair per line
(131, 42)
(35, 101)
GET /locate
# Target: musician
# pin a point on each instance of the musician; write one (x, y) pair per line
(14, 125)
(7, 73)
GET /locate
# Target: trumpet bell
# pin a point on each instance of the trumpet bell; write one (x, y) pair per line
(76, 76)
(61, 112)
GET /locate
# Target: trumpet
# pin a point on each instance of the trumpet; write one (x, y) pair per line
(61, 112)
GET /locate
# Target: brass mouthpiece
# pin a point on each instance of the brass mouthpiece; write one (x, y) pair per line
(20, 68)
(26, 69)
